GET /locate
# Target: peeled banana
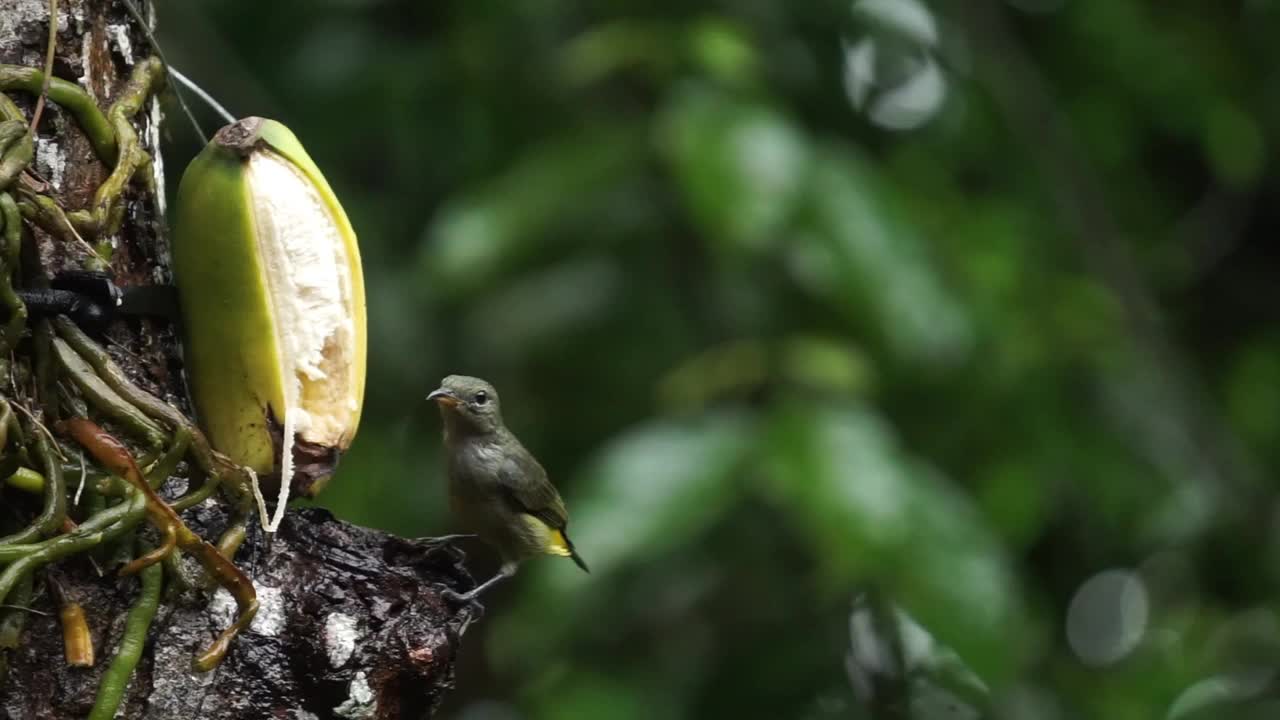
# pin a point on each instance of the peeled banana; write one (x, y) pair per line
(268, 274)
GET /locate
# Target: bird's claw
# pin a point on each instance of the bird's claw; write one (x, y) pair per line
(444, 542)
(474, 607)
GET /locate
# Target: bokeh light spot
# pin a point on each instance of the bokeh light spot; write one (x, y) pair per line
(1107, 617)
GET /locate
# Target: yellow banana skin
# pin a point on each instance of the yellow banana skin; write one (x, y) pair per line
(236, 359)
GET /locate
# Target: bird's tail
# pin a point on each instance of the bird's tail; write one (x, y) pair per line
(564, 546)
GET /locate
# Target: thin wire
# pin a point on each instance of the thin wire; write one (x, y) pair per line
(200, 93)
(155, 47)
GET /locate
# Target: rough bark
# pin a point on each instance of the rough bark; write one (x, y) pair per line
(351, 623)
(351, 626)
(97, 45)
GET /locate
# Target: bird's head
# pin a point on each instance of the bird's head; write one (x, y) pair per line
(468, 404)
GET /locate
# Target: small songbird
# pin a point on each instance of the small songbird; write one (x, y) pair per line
(496, 487)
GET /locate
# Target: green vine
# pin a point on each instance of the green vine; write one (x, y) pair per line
(116, 679)
(66, 384)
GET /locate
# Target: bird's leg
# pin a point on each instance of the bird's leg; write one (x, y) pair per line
(507, 570)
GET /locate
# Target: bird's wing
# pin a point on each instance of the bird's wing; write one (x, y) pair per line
(525, 485)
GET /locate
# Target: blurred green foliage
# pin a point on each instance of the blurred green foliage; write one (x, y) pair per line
(860, 335)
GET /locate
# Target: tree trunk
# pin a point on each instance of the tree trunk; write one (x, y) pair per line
(351, 623)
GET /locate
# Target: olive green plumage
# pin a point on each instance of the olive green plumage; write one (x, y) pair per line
(496, 487)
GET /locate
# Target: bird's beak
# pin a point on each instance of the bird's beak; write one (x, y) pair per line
(443, 397)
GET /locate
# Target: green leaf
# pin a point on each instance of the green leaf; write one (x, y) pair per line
(649, 492)
(724, 50)
(1234, 145)
(869, 262)
(654, 488)
(740, 167)
(483, 233)
(877, 515)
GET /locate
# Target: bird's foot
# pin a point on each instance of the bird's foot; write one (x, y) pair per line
(469, 597)
(444, 542)
(454, 596)
(474, 608)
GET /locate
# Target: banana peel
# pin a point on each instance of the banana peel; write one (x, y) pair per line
(272, 293)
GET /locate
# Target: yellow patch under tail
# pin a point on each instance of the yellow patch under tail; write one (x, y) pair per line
(558, 544)
(563, 546)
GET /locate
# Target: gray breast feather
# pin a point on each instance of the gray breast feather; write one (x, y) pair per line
(481, 461)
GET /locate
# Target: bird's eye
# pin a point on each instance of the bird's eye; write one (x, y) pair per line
(481, 398)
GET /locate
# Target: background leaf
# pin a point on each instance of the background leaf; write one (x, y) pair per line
(960, 306)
